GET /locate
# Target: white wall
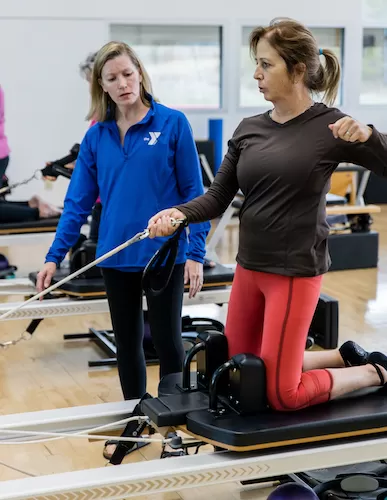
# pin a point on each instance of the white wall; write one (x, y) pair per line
(43, 41)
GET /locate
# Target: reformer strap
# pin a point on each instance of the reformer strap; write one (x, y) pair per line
(33, 325)
(158, 271)
(171, 244)
(132, 429)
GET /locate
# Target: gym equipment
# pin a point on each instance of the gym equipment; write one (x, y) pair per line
(361, 481)
(169, 246)
(358, 248)
(230, 412)
(341, 433)
(292, 491)
(55, 169)
(6, 270)
(105, 340)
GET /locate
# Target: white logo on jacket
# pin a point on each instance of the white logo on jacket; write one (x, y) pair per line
(153, 138)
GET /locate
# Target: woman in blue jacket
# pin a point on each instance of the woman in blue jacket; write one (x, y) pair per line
(139, 158)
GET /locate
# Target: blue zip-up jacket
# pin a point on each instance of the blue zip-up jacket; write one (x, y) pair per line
(157, 167)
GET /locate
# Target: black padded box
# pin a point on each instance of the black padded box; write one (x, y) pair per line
(325, 324)
(354, 250)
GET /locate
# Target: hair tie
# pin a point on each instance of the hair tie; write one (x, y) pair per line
(320, 51)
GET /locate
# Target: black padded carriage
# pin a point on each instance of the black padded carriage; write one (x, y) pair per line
(354, 416)
(349, 417)
(38, 226)
(231, 411)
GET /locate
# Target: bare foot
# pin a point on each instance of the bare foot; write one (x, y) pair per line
(46, 210)
(34, 202)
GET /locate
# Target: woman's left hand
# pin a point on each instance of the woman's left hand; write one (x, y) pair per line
(193, 273)
(350, 130)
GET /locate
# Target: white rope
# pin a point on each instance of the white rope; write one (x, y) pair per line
(80, 434)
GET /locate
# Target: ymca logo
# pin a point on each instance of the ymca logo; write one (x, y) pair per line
(153, 138)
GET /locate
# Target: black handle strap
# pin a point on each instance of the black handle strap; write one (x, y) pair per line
(33, 325)
(158, 271)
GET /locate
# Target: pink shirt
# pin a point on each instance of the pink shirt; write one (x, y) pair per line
(4, 148)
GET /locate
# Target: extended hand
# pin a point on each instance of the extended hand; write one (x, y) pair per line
(45, 276)
(193, 273)
(161, 224)
(350, 130)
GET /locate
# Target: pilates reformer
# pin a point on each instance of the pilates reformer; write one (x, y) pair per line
(222, 404)
(54, 169)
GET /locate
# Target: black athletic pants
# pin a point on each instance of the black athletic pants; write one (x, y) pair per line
(17, 211)
(124, 293)
(14, 211)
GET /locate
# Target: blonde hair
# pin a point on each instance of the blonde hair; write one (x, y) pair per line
(296, 45)
(102, 107)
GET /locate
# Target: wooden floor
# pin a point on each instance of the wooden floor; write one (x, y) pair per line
(49, 373)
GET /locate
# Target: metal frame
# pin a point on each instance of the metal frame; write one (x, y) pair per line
(72, 420)
(174, 474)
(17, 286)
(69, 307)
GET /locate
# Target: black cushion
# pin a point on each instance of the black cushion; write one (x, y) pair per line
(360, 411)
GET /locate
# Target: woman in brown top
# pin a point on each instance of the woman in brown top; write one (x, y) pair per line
(282, 160)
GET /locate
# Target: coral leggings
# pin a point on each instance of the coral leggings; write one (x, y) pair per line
(269, 315)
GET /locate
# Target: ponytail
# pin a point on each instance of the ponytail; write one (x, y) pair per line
(327, 79)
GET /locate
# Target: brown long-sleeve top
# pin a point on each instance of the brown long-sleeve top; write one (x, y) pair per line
(284, 172)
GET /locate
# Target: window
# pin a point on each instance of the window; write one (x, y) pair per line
(327, 38)
(374, 11)
(183, 62)
(374, 67)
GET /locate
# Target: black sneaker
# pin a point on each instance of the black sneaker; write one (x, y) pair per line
(353, 354)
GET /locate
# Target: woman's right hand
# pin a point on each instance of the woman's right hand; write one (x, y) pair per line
(161, 225)
(45, 276)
